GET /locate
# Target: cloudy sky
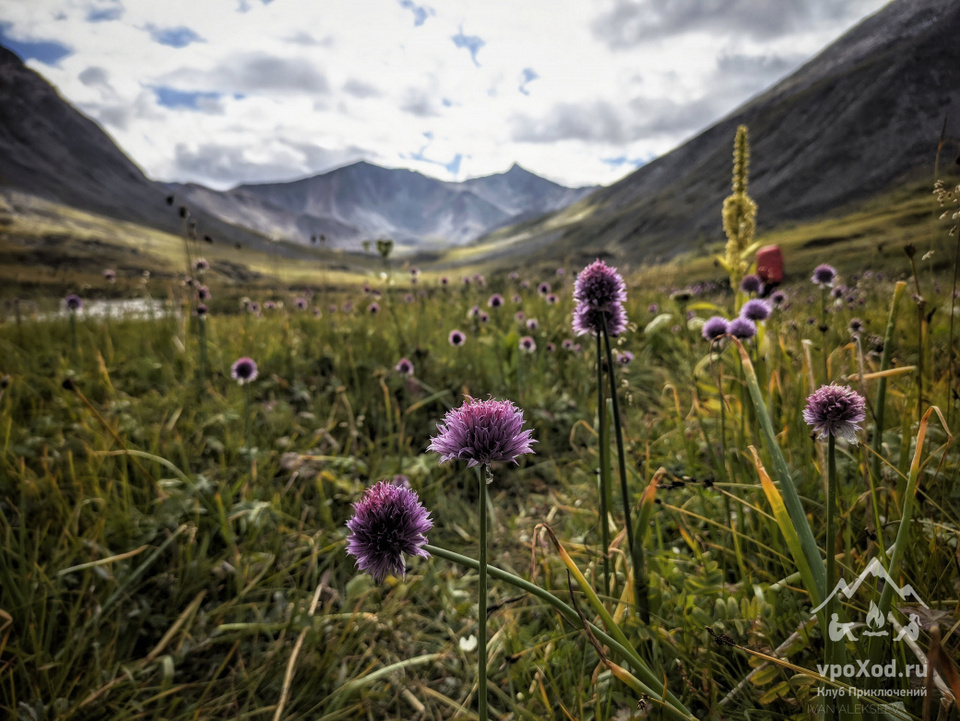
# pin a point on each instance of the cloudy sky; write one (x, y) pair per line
(580, 91)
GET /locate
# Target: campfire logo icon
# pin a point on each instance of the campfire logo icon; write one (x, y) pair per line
(875, 621)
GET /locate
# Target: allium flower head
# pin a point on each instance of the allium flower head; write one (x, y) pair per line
(74, 302)
(835, 411)
(444, 280)
(751, 284)
(742, 328)
(404, 367)
(495, 300)
(201, 264)
(653, 308)
(527, 344)
(484, 318)
(301, 303)
(855, 326)
(533, 324)
(715, 327)
(109, 275)
(590, 319)
(824, 275)
(625, 358)
(599, 285)
(551, 347)
(481, 432)
(755, 310)
(373, 308)
(201, 310)
(552, 299)
(456, 338)
(244, 370)
(474, 312)
(520, 316)
(567, 344)
(203, 293)
(387, 522)
(254, 307)
(543, 288)
(778, 298)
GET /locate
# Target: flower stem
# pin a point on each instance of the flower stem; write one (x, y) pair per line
(483, 476)
(604, 456)
(831, 646)
(636, 550)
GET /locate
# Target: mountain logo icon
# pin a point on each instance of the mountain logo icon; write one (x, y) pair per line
(876, 570)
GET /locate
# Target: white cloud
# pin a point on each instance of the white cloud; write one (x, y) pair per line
(302, 86)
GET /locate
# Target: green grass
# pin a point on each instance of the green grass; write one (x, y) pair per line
(160, 552)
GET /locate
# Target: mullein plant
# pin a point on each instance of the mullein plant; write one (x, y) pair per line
(482, 433)
(739, 217)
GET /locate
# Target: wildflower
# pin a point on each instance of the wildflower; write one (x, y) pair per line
(778, 298)
(751, 284)
(755, 310)
(200, 264)
(466, 280)
(552, 299)
(373, 308)
(591, 319)
(348, 307)
(404, 367)
(254, 307)
(408, 298)
(653, 308)
(567, 344)
(742, 328)
(520, 316)
(495, 300)
(387, 522)
(715, 328)
(524, 284)
(561, 272)
(527, 344)
(109, 276)
(456, 338)
(414, 272)
(517, 299)
(482, 432)
(269, 305)
(300, 303)
(332, 308)
(484, 318)
(543, 288)
(533, 324)
(74, 302)
(513, 275)
(201, 310)
(474, 312)
(444, 281)
(244, 370)
(835, 411)
(316, 312)
(551, 347)
(599, 285)
(855, 326)
(824, 275)
(625, 358)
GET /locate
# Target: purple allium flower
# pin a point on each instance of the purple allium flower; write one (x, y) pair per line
(590, 319)
(835, 411)
(482, 432)
(576, 348)
(109, 275)
(715, 328)
(837, 293)
(201, 310)
(269, 305)
(520, 316)
(456, 338)
(552, 299)
(444, 281)
(300, 303)
(855, 326)
(653, 308)
(408, 298)
(495, 300)
(387, 522)
(625, 358)
(484, 318)
(543, 288)
(778, 298)
(513, 275)
(373, 308)
(414, 272)
(74, 302)
(201, 264)
(474, 312)
(599, 285)
(400, 480)
(466, 280)
(481, 281)
(567, 344)
(755, 310)
(244, 370)
(365, 288)
(332, 308)
(561, 272)
(254, 307)
(404, 367)
(527, 344)
(824, 275)
(203, 293)
(524, 284)
(742, 328)
(348, 307)
(533, 324)
(316, 312)
(551, 347)
(751, 284)
(517, 299)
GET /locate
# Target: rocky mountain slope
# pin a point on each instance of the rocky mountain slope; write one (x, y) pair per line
(863, 115)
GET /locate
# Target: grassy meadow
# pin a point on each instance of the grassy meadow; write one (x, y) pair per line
(173, 543)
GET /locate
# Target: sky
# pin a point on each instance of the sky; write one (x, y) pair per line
(583, 92)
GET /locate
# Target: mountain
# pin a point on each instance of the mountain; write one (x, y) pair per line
(366, 200)
(860, 117)
(51, 150)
